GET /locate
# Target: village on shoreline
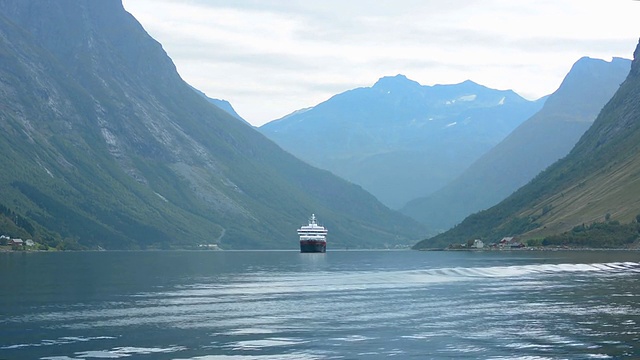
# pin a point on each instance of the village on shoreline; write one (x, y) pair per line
(513, 244)
(16, 244)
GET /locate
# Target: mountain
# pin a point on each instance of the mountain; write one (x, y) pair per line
(537, 143)
(104, 145)
(222, 104)
(596, 182)
(226, 106)
(398, 139)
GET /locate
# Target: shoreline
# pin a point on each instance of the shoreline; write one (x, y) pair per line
(537, 248)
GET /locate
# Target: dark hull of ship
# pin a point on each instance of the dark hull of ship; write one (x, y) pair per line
(313, 246)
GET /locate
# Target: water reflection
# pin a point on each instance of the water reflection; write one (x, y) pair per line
(338, 305)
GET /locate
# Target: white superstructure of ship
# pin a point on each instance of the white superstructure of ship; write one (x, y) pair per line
(313, 237)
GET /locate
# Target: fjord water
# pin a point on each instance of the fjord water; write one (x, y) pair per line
(338, 305)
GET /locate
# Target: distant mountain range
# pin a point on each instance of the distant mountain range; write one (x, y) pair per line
(105, 146)
(594, 188)
(398, 139)
(538, 142)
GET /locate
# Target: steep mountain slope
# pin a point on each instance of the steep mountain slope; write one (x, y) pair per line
(598, 180)
(222, 104)
(226, 106)
(104, 144)
(535, 144)
(398, 139)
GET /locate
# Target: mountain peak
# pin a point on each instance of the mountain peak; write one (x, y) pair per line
(574, 90)
(398, 82)
(391, 137)
(467, 85)
(587, 62)
(635, 65)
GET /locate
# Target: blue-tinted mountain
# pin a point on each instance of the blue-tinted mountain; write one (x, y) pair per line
(104, 145)
(226, 106)
(541, 140)
(590, 196)
(398, 139)
(222, 104)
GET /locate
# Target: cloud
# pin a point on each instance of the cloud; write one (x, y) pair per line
(272, 57)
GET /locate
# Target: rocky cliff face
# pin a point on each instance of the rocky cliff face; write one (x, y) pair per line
(107, 146)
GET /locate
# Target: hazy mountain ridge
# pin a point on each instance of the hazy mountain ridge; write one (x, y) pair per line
(596, 181)
(222, 104)
(535, 144)
(226, 106)
(399, 139)
(105, 144)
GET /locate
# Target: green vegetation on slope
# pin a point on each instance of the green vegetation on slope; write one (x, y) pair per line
(609, 234)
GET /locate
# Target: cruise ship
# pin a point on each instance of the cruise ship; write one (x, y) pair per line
(313, 237)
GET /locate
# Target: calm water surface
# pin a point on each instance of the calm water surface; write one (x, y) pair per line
(338, 305)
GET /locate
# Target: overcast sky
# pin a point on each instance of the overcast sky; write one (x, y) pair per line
(272, 57)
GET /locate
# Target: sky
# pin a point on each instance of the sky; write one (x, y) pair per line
(269, 58)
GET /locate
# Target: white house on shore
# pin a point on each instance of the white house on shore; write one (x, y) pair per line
(477, 244)
(17, 241)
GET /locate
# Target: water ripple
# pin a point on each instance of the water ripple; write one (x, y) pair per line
(491, 312)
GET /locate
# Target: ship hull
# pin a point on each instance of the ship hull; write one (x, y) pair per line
(313, 246)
